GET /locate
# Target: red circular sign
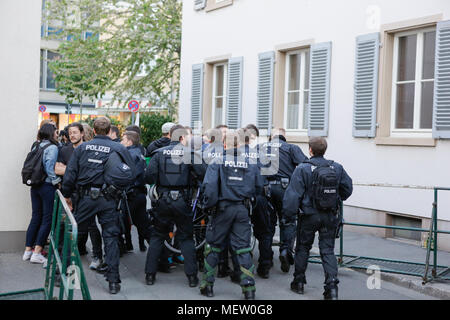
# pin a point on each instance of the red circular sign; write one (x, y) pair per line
(133, 105)
(42, 108)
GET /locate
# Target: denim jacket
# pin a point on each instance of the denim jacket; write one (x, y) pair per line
(49, 160)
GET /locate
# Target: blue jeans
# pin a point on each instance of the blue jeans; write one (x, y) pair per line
(42, 199)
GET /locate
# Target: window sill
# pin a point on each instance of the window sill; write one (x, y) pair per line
(297, 139)
(408, 142)
(212, 5)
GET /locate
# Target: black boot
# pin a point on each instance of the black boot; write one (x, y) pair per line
(142, 246)
(331, 293)
(284, 259)
(263, 272)
(249, 295)
(114, 287)
(193, 281)
(298, 287)
(149, 279)
(207, 291)
(223, 271)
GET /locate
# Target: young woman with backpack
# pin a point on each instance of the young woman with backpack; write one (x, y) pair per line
(42, 196)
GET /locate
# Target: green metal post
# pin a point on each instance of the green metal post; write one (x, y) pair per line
(435, 246)
(341, 246)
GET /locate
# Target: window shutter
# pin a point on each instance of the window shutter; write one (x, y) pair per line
(366, 85)
(234, 92)
(199, 4)
(319, 94)
(265, 90)
(196, 95)
(441, 103)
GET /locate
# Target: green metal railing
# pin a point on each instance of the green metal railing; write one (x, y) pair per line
(67, 263)
(399, 266)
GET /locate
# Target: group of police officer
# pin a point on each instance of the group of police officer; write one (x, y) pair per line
(242, 184)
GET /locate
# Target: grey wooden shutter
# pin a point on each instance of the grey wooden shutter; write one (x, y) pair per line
(319, 89)
(265, 90)
(196, 94)
(234, 93)
(366, 85)
(199, 4)
(441, 103)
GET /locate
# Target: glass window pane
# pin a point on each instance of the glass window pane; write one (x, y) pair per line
(294, 72)
(50, 76)
(292, 110)
(429, 49)
(41, 75)
(307, 70)
(426, 107)
(218, 111)
(305, 110)
(407, 58)
(404, 115)
(219, 80)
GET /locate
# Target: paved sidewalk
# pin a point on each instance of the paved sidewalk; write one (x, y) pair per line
(16, 275)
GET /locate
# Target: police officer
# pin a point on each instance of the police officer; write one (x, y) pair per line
(85, 174)
(284, 158)
(229, 185)
(170, 170)
(303, 193)
(137, 194)
(261, 220)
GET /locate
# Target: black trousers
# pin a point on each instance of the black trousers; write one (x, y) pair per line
(96, 240)
(166, 213)
(287, 230)
(138, 212)
(325, 224)
(106, 212)
(262, 229)
(230, 220)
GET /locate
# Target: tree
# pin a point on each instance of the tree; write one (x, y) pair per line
(111, 42)
(150, 125)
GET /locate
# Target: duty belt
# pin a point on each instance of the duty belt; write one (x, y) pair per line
(175, 194)
(284, 182)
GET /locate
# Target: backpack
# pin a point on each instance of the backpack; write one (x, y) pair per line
(117, 173)
(325, 187)
(33, 172)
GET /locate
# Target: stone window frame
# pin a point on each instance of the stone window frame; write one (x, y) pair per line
(214, 5)
(384, 103)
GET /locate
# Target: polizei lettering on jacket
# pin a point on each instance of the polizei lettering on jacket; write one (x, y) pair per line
(238, 164)
(174, 152)
(94, 147)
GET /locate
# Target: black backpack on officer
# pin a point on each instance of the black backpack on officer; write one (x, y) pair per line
(325, 187)
(117, 173)
(33, 172)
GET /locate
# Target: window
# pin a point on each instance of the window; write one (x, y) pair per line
(400, 221)
(413, 83)
(47, 78)
(219, 94)
(297, 90)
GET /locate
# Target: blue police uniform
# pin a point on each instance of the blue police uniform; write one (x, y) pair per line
(261, 218)
(84, 174)
(228, 186)
(137, 195)
(299, 196)
(170, 170)
(284, 158)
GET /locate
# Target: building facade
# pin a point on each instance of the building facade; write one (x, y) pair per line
(372, 77)
(19, 89)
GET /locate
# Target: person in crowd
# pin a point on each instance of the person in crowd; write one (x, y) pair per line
(86, 174)
(231, 187)
(224, 129)
(114, 133)
(76, 136)
(42, 196)
(316, 188)
(136, 129)
(164, 141)
(88, 132)
(284, 158)
(171, 174)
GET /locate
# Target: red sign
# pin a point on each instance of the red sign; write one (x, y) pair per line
(42, 108)
(133, 105)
